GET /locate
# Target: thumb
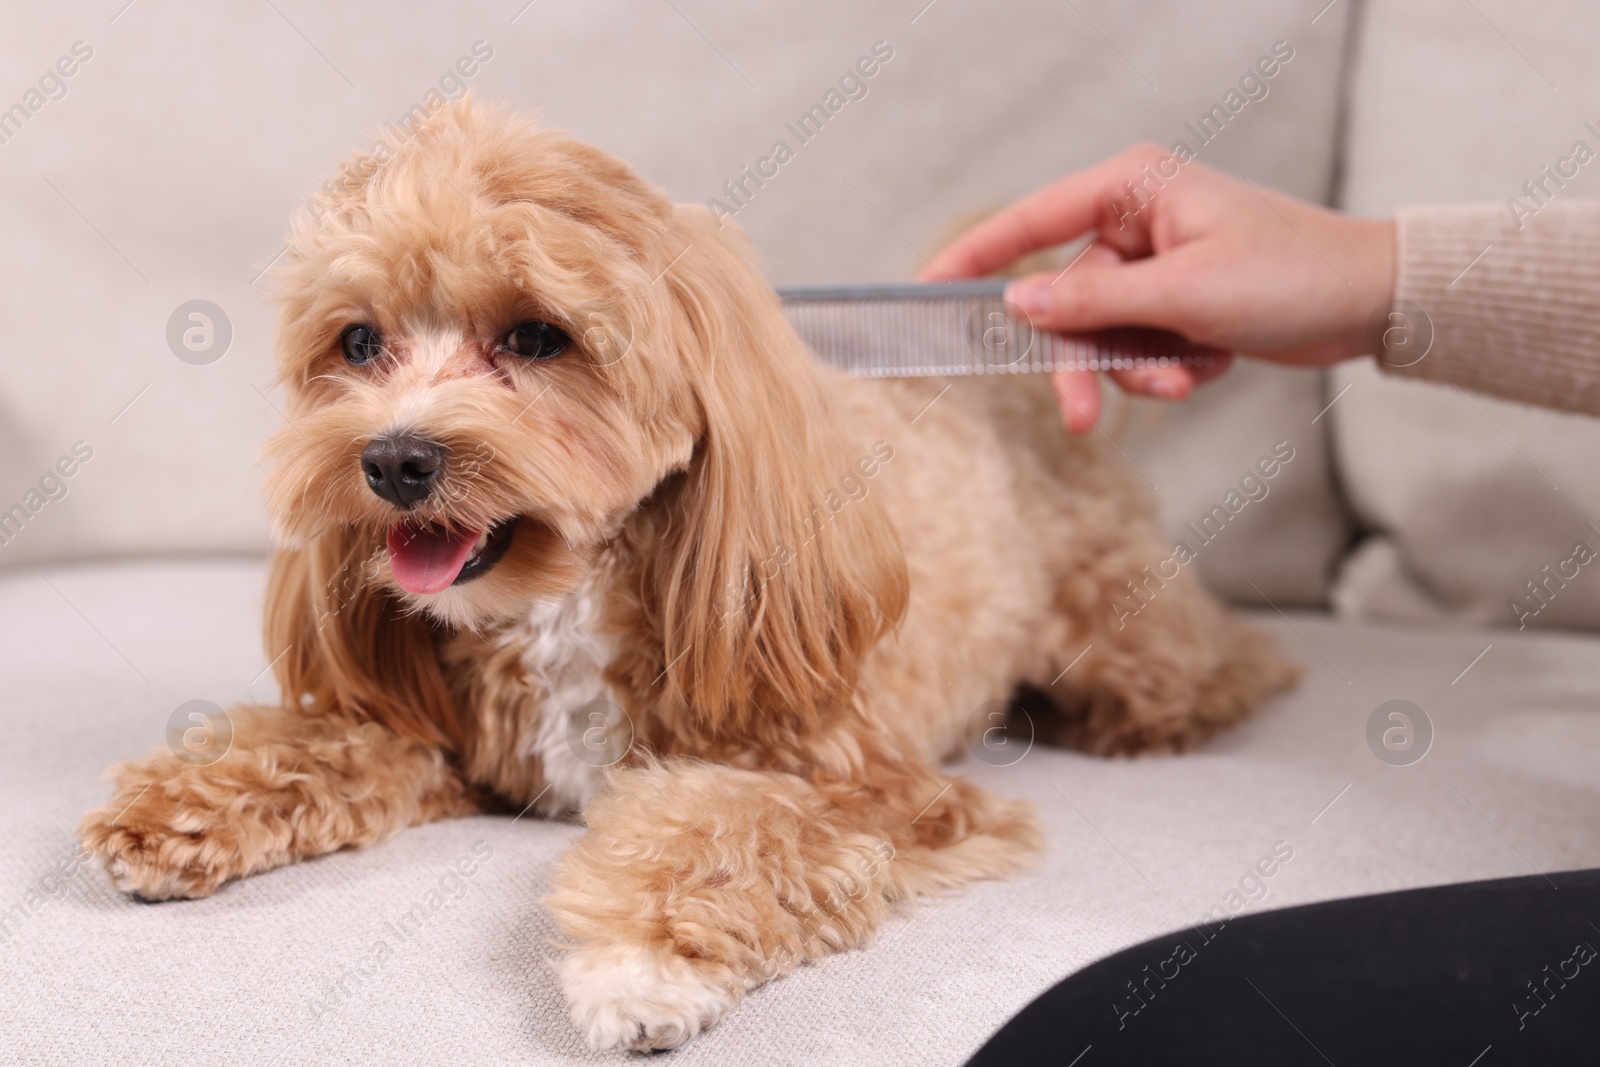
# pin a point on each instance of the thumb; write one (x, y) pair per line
(1097, 295)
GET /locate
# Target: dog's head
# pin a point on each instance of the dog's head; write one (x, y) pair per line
(509, 359)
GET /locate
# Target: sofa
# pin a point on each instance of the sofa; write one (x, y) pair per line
(151, 155)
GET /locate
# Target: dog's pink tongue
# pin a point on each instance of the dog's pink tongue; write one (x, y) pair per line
(426, 559)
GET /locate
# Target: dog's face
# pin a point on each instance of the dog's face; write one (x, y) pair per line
(486, 371)
(509, 359)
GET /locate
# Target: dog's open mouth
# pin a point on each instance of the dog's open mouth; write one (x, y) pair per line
(430, 558)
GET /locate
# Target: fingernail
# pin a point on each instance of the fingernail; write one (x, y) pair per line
(1030, 295)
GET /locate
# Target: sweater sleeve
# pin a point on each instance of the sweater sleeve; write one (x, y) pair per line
(1514, 303)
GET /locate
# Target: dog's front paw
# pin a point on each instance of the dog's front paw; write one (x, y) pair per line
(626, 997)
(158, 847)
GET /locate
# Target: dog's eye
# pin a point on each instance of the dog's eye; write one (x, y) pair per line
(361, 344)
(536, 340)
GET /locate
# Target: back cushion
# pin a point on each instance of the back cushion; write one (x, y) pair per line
(1467, 499)
(162, 170)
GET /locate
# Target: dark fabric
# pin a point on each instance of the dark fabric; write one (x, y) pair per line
(1483, 974)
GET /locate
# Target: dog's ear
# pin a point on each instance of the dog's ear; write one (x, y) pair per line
(343, 644)
(765, 579)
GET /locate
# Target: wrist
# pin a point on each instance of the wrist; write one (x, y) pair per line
(1372, 281)
(1367, 259)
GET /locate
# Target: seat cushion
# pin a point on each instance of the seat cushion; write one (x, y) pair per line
(302, 964)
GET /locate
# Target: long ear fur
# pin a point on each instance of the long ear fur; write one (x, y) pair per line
(764, 597)
(346, 645)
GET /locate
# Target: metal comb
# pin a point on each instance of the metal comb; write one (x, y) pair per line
(961, 328)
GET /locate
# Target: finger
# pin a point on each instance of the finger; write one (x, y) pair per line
(1162, 383)
(1140, 292)
(1096, 255)
(1132, 241)
(1171, 383)
(1078, 394)
(1065, 209)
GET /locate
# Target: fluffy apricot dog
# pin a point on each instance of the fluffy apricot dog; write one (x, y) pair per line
(571, 519)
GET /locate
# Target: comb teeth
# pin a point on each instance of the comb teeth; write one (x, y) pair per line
(961, 328)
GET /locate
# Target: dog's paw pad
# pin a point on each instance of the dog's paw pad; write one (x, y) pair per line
(624, 997)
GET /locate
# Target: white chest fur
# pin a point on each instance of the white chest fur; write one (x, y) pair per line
(578, 724)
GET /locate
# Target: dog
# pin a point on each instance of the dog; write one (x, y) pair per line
(571, 520)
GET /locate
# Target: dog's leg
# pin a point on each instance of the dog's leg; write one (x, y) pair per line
(1163, 666)
(697, 882)
(292, 786)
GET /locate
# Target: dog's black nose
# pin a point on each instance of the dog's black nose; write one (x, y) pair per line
(402, 469)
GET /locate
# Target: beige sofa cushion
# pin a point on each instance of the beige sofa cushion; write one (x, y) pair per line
(1469, 499)
(1134, 848)
(166, 173)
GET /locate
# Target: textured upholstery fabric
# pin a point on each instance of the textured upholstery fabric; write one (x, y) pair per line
(168, 170)
(98, 657)
(1468, 498)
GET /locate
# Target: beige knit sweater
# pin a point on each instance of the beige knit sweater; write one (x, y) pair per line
(1515, 311)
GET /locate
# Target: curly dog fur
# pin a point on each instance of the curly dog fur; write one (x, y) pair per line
(792, 592)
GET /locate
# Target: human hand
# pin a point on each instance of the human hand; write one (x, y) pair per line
(1185, 248)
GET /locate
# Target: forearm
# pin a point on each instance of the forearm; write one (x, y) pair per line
(1514, 311)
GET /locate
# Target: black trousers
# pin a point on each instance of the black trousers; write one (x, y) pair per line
(1476, 975)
